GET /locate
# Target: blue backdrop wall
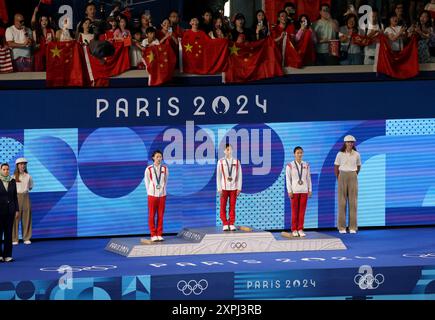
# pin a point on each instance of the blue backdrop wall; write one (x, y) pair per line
(87, 151)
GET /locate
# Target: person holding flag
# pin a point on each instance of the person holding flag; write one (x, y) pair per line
(229, 186)
(156, 180)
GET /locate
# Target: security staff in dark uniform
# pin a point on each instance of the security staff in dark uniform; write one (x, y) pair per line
(8, 212)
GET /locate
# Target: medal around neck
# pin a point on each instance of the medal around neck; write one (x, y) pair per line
(230, 171)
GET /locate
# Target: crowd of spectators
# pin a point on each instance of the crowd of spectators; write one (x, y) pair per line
(331, 29)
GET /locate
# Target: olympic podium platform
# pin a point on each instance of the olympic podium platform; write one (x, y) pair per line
(212, 240)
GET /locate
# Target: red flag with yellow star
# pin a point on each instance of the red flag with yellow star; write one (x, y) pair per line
(202, 55)
(253, 61)
(398, 64)
(100, 70)
(64, 64)
(160, 62)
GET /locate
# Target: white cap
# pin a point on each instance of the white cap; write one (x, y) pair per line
(21, 160)
(349, 138)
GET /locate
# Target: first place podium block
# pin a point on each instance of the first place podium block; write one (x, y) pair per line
(212, 240)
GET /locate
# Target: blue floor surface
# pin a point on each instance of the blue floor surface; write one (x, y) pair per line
(379, 248)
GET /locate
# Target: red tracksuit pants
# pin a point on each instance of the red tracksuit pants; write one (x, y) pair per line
(299, 205)
(223, 208)
(156, 205)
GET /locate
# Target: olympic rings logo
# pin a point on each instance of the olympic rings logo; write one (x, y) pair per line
(238, 245)
(366, 280)
(64, 269)
(193, 286)
(420, 255)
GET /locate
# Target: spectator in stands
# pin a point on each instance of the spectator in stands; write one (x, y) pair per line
(396, 33)
(260, 25)
(122, 33)
(220, 31)
(135, 24)
(110, 33)
(150, 39)
(64, 33)
(136, 50)
(373, 30)
(352, 52)
(85, 35)
(290, 9)
(306, 41)
(326, 29)
(90, 13)
(19, 39)
(240, 34)
(116, 9)
(415, 9)
(145, 23)
(174, 19)
(42, 35)
(166, 33)
(425, 31)
(431, 8)
(399, 11)
(206, 23)
(282, 29)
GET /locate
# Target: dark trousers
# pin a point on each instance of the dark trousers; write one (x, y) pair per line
(6, 226)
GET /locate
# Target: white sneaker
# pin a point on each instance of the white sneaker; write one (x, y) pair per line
(342, 231)
(1, 259)
(225, 228)
(27, 242)
(15, 243)
(9, 259)
(160, 238)
(352, 231)
(154, 239)
(295, 234)
(233, 228)
(301, 233)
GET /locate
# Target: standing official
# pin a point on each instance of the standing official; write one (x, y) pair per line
(229, 185)
(156, 180)
(8, 212)
(24, 184)
(347, 166)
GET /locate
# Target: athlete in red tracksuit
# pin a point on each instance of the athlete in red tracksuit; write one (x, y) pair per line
(156, 179)
(229, 185)
(298, 181)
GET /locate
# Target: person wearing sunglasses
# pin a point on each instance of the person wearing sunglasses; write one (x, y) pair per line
(19, 38)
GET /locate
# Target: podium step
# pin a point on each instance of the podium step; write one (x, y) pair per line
(212, 240)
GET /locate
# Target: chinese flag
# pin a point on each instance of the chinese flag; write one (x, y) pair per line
(202, 55)
(291, 55)
(306, 48)
(311, 8)
(362, 40)
(3, 11)
(160, 62)
(400, 65)
(253, 61)
(64, 64)
(100, 70)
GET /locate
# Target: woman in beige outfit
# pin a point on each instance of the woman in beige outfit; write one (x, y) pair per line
(24, 185)
(347, 166)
